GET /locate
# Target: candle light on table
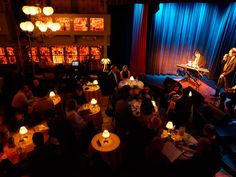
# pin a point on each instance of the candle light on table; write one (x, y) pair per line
(93, 101)
(170, 127)
(95, 82)
(52, 94)
(23, 131)
(105, 135)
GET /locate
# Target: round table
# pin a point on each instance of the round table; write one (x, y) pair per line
(92, 91)
(131, 83)
(91, 113)
(56, 99)
(98, 143)
(110, 151)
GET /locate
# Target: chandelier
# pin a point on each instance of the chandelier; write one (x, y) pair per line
(38, 16)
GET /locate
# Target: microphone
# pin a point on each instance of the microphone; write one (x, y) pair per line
(225, 57)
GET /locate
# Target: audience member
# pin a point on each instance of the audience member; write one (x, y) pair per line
(229, 93)
(22, 99)
(113, 78)
(124, 73)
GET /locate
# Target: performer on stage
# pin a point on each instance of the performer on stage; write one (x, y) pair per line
(197, 60)
(229, 61)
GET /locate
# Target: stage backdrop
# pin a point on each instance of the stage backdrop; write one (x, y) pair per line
(180, 28)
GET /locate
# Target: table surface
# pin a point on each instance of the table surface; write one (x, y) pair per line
(98, 142)
(90, 88)
(94, 109)
(56, 99)
(25, 142)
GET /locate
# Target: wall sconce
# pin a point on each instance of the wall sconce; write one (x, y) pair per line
(105, 135)
(23, 131)
(93, 101)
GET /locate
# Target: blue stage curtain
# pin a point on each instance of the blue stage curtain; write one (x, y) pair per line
(180, 28)
(139, 38)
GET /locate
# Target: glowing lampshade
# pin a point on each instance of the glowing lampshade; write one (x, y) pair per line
(23, 130)
(25, 9)
(95, 82)
(105, 134)
(52, 94)
(131, 78)
(93, 101)
(23, 26)
(29, 26)
(190, 94)
(48, 10)
(43, 27)
(153, 103)
(169, 125)
(105, 61)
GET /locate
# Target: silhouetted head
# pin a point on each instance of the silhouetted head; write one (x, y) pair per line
(38, 139)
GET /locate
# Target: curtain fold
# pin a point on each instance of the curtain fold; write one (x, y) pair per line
(139, 39)
(180, 28)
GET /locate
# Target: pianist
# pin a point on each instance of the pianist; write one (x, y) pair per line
(197, 61)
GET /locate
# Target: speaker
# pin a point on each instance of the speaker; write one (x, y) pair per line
(171, 83)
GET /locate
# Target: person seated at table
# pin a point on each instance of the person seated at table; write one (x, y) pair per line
(203, 163)
(183, 110)
(40, 107)
(147, 92)
(124, 73)
(22, 99)
(198, 61)
(39, 164)
(78, 124)
(10, 160)
(37, 88)
(79, 95)
(231, 94)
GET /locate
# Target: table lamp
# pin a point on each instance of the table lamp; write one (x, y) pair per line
(93, 101)
(23, 131)
(131, 78)
(190, 94)
(95, 82)
(170, 127)
(52, 94)
(105, 62)
(105, 135)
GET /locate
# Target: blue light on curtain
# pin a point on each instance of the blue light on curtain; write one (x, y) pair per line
(180, 28)
(136, 32)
